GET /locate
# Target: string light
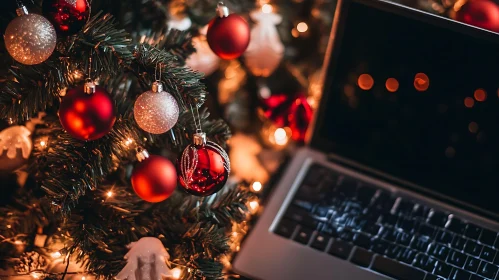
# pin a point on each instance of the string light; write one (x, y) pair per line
(256, 186)
(254, 206)
(18, 242)
(56, 255)
(36, 274)
(302, 27)
(281, 137)
(83, 278)
(176, 272)
(267, 8)
(128, 142)
(110, 194)
(9, 226)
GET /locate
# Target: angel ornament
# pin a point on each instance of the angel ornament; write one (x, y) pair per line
(265, 50)
(146, 260)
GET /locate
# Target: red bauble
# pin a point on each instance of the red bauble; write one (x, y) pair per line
(229, 36)
(289, 110)
(87, 116)
(480, 13)
(203, 169)
(154, 179)
(67, 16)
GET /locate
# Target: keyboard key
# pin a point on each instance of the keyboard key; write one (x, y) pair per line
(383, 201)
(457, 258)
(345, 235)
(340, 249)
(396, 270)
(433, 277)
(488, 254)
(371, 228)
(379, 246)
(439, 251)
(286, 228)
(472, 264)
(304, 235)
(321, 211)
(389, 234)
(365, 194)
(437, 218)
(320, 241)
(458, 243)
(362, 240)
(488, 237)
(394, 251)
(362, 257)
(408, 224)
(473, 231)
(426, 230)
(425, 262)
(444, 237)
(496, 243)
(477, 277)
(459, 274)
(301, 216)
(420, 243)
(407, 255)
(420, 210)
(389, 220)
(487, 270)
(455, 225)
(306, 205)
(472, 248)
(404, 238)
(442, 269)
(404, 207)
(330, 230)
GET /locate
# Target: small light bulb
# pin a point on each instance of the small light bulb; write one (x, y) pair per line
(43, 143)
(18, 242)
(256, 186)
(176, 272)
(254, 204)
(56, 255)
(83, 278)
(302, 27)
(109, 194)
(267, 8)
(36, 274)
(9, 226)
(234, 234)
(281, 138)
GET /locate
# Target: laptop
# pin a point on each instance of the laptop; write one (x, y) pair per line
(400, 179)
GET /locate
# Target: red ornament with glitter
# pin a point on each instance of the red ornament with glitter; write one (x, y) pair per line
(480, 13)
(203, 167)
(67, 16)
(228, 35)
(154, 178)
(292, 111)
(87, 112)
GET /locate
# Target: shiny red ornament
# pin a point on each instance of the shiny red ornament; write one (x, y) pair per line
(228, 35)
(67, 16)
(85, 115)
(480, 13)
(203, 167)
(154, 179)
(292, 111)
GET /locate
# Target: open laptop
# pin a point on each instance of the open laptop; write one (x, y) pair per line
(401, 176)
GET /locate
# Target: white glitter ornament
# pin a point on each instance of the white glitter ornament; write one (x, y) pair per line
(30, 38)
(204, 60)
(146, 260)
(156, 111)
(265, 50)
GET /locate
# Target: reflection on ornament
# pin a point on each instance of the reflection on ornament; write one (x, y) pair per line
(265, 50)
(146, 260)
(68, 16)
(480, 13)
(179, 22)
(234, 77)
(204, 60)
(30, 38)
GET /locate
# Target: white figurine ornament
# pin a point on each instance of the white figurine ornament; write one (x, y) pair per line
(204, 60)
(146, 260)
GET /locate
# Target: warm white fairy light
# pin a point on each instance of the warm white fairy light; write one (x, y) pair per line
(18, 242)
(56, 255)
(110, 194)
(302, 27)
(176, 272)
(281, 137)
(36, 274)
(83, 278)
(254, 206)
(256, 186)
(128, 142)
(9, 226)
(43, 144)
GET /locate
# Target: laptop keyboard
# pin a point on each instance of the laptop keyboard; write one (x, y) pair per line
(378, 230)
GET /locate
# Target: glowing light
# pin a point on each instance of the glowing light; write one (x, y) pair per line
(109, 194)
(421, 82)
(9, 226)
(450, 152)
(267, 8)
(234, 234)
(469, 102)
(36, 274)
(83, 278)
(480, 95)
(176, 272)
(365, 81)
(43, 143)
(392, 85)
(256, 186)
(128, 142)
(18, 242)
(302, 27)
(254, 205)
(281, 137)
(473, 127)
(295, 33)
(56, 255)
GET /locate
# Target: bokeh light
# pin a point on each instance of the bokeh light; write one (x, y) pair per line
(365, 81)
(392, 85)
(421, 82)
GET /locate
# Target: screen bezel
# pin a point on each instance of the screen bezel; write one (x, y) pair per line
(329, 68)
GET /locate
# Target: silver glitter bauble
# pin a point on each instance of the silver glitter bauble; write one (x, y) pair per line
(30, 39)
(156, 111)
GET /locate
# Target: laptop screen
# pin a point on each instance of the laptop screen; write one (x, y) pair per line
(417, 101)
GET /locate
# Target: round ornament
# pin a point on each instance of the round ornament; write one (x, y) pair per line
(228, 35)
(30, 38)
(154, 179)
(480, 13)
(67, 16)
(204, 167)
(156, 111)
(87, 112)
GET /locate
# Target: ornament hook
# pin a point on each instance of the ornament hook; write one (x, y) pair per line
(222, 10)
(142, 154)
(157, 86)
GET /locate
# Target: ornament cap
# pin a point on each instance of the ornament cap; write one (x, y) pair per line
(222, 10)
(89, 87)
(22, 11)
(142, 154)
(199, 138)
(157, 86)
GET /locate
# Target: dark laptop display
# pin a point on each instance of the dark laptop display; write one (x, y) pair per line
(418, 102)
